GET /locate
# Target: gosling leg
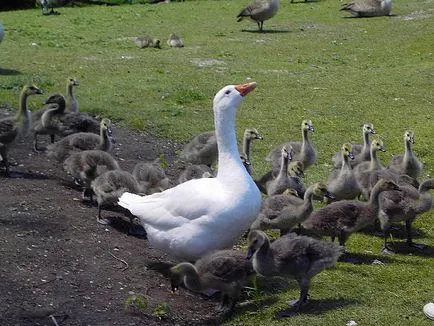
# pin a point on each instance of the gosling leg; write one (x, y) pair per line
(410, 242)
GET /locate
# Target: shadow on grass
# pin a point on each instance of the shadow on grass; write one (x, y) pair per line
(269, 31)
(29, 175)
(358, 258)
(9, 72)
(320, 306)
(401, 248)
(397, 230)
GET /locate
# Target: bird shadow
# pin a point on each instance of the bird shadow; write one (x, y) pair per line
(267, 31)
(358, 258)
(9, 72)
(273, 284)
(28, 175)
(397, 230)
(402, 248)
(319, 306)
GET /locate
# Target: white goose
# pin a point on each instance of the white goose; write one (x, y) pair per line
(202, 215)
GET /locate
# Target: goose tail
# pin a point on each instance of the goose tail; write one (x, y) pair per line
(128, 199)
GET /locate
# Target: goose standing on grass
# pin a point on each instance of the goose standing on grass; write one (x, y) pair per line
(404, 205)
(303, 150)
(361, 152)
(259, 11)
(202, 149)
(81, 141)
(342, 218)
(283, 212)
(174, 41)
(225, 270)
(282, 180)
(86, 166)
(249, 135)
(298, 257)
(109, 186)
(369, 8)
(407, 163)
(151, 177)
(342, 183)
(202, 215)
(71, 100)
(12, 127)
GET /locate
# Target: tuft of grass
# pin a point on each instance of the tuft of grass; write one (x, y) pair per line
(310, 63)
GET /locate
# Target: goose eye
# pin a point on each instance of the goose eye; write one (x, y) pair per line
(228, 92)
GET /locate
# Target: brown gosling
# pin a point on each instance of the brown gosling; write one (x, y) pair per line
(225, 270)
(12, 127)
(174, 41)
(342, 218)
(297, 257)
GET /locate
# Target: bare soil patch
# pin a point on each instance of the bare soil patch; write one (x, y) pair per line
(59, 265)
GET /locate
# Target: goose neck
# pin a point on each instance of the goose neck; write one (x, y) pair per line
(191, 277)
(408, 151)
(308, 195)
(105, 142)
(246, 146)
(374, 198)
(284, 166)
(375, 162)
(366, 141)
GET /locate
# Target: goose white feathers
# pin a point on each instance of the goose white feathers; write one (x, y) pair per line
(202, 215)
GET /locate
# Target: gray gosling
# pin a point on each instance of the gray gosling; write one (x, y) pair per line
(82, 141)
(249, 135)
(404, 205)
(225, 270)
(12, 127)
(284, 211)
(202, 149)
(282, 180)
(303, 151)
(195, 171)
(86, 166)
(71, 100)
(260, 11)
(407, 163)
(297, 257)
(174, 41)
(147, 42)
(151, 177)
(109, 186)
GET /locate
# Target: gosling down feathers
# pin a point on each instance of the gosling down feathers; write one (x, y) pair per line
(226, 271)
(202, 149)
(202, 215)
(11, 127)
(342, 218)
(303, 150)
(260, 11)
(81, 141)
(293, 256)
(151, 177)
(404, 205)
(369, 8)
(146, 41)
(174, 41)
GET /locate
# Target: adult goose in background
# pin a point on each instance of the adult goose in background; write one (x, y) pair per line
(151, 177)
(86, 166)
(368, 8)
(48, 4)
(294, 256)
(249, 135)
(81, 141)
(407, 163)
(260, 11)
(361, 152)
(12, 127)
(225, 270)
(404, 205)
(303, 150)
(71, 100)
(109, 186)
(201, 215)
(284, 211)
(174, 41)
(342, 218)
(202, 149)
(342, 182)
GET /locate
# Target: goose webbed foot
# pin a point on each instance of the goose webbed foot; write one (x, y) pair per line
(226, 305)
(101, 220)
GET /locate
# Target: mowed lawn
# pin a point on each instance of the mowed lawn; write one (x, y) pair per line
(310, 63)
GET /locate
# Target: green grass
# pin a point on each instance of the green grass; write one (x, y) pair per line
(311, 63)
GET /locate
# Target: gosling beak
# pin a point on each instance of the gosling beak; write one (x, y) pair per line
(329, 195)
(382, 149)
(373, 131)
(259, 137)
(39, 91)
(311, 128)
(245, 89)
(351, 156)
(173, 286)
(300, 174)
(250, 253)
(396, 187)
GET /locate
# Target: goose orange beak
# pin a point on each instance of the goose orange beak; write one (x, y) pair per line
(245, 89)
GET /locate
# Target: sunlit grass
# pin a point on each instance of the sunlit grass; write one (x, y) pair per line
(310, 63)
